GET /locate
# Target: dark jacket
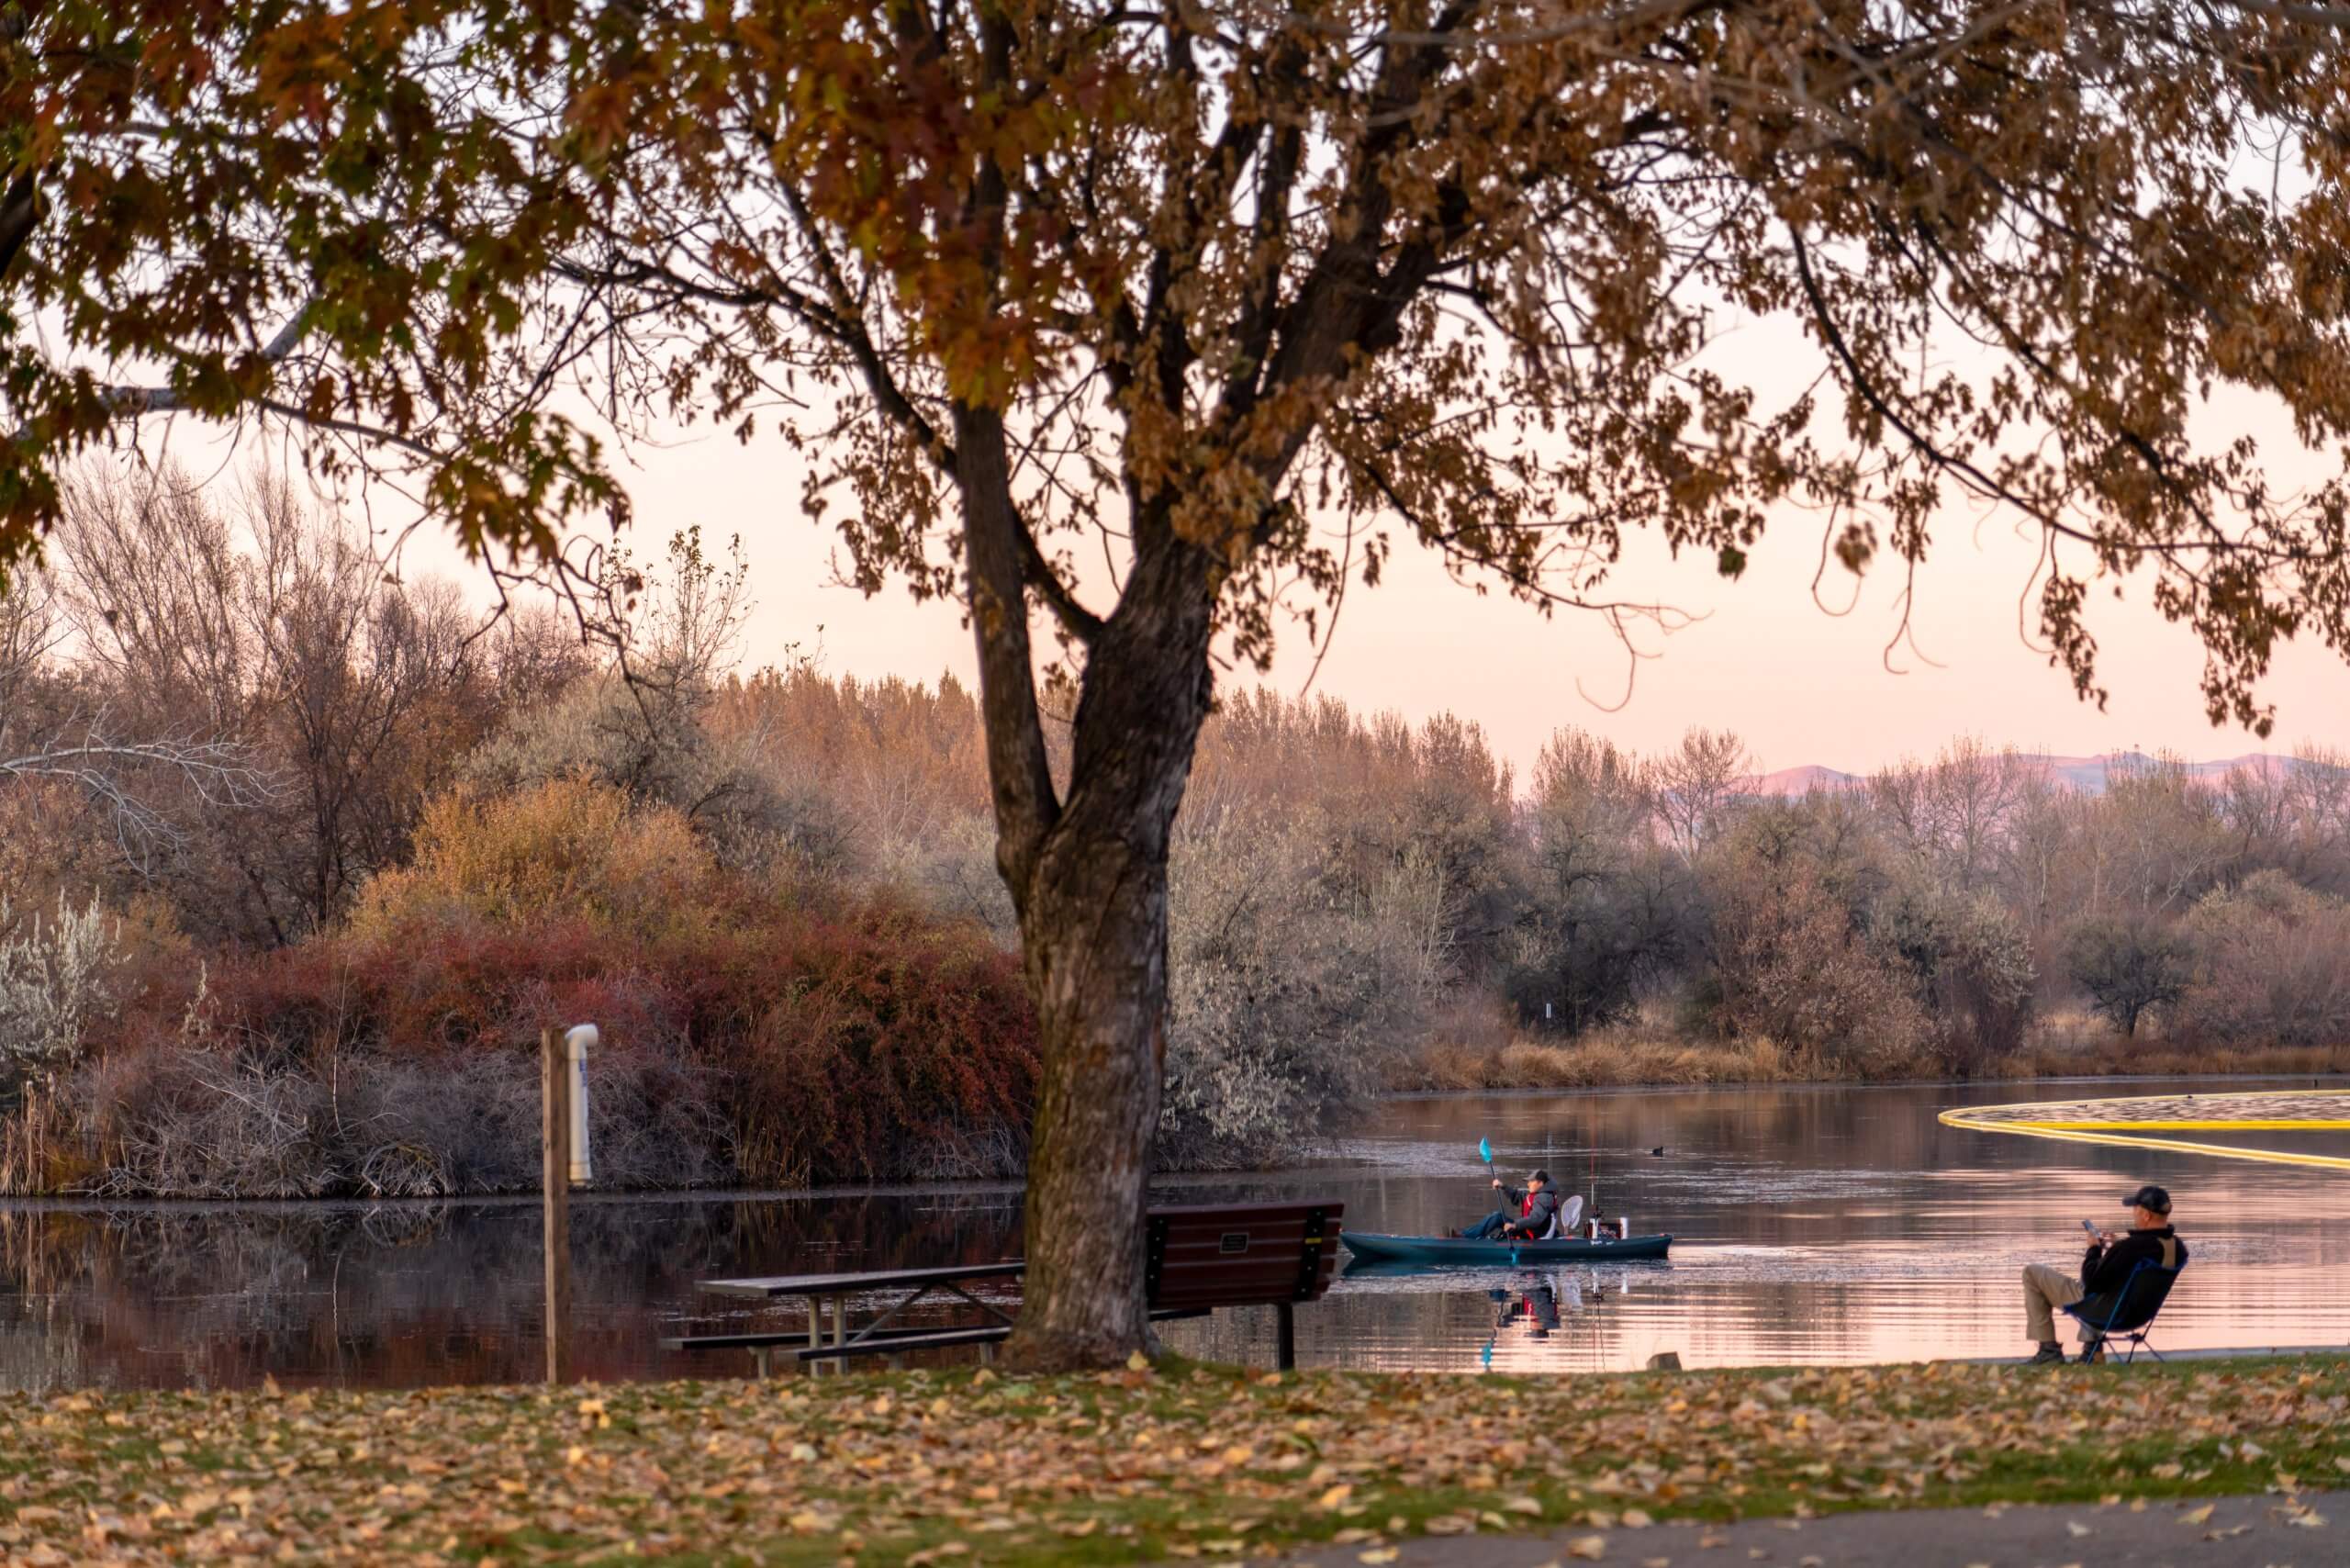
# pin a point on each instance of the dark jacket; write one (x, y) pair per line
(1533, 1220)
(2107, 1269)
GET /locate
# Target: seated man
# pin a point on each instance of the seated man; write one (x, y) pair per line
(1536, 1204)
(2111, 1260)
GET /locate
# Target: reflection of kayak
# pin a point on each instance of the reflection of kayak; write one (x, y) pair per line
(1460, 1250)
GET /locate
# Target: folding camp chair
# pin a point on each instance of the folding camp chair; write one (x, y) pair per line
(2132, 1316)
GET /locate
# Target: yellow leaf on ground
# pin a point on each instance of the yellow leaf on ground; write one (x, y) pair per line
(2196, 1515)
(1588, 1547)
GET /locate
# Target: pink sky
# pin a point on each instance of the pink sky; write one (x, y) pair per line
(1801, 686)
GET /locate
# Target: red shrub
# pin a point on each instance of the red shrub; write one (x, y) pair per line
(868, 1045)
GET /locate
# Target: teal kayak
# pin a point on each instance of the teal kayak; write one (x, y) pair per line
(1460, 1250)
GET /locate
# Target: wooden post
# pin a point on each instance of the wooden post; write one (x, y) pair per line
(1285, 1336)
(554, 1175)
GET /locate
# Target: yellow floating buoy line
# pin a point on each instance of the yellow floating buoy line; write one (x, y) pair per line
(2125, 1123)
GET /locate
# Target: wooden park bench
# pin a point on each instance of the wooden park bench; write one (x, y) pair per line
(1199, 1258)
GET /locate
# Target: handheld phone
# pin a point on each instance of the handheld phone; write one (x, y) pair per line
(2089, 1225)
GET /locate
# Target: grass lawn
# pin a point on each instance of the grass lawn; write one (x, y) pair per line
(1182, 1461)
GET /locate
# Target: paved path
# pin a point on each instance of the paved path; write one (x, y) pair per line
(2237, 1532)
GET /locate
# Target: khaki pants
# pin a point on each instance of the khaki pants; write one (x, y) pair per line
(2045, 1290)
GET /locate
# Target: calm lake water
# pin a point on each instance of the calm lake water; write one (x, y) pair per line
(1811, 1225)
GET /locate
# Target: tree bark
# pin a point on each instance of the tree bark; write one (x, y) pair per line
(1094, 940)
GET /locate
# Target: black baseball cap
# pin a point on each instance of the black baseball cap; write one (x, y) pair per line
(2150, 1198)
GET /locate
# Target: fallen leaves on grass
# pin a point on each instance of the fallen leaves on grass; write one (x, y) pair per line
(929, 1468)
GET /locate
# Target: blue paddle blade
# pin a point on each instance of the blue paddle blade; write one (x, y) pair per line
(1485, 1152)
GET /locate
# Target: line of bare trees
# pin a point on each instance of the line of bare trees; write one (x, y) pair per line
(235, 707)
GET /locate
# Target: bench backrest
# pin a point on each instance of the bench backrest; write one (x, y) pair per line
(1241, 1254)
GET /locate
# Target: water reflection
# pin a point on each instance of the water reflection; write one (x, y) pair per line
(1811, 1225)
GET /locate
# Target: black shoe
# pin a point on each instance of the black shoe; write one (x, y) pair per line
(2090, 1353)
(2049, 1355)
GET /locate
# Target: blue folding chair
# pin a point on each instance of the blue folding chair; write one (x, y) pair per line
(2132, 1316)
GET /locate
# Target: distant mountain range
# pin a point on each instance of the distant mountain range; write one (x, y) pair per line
(2087, 775)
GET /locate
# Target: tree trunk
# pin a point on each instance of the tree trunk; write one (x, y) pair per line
(1094, 941)
(1087, 870)
(1093, 905)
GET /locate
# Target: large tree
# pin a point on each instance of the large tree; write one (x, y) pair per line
(1142, 323)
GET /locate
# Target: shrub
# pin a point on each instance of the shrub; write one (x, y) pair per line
(756, 1044)
(1286, 986)
(2271, 966)
(1970, 961)
(56, 983)
(1793, 968)
(66, 977)
(1984, 983)
(887, 1044)
(568, 847)
(748, 1039)
(2127, 964)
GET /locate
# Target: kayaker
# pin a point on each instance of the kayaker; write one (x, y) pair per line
(2111, 1262)
(1526, 1212)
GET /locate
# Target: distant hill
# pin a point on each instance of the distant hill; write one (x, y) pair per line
(2087, 775)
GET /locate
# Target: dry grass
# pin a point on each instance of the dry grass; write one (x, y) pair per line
(1473, 1055)
(1602, 1062)
(2161, 1059)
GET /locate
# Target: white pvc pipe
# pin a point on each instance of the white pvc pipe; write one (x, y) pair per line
(577, 1041)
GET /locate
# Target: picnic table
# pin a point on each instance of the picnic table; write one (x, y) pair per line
(1198, 1258)
(911, 1286)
